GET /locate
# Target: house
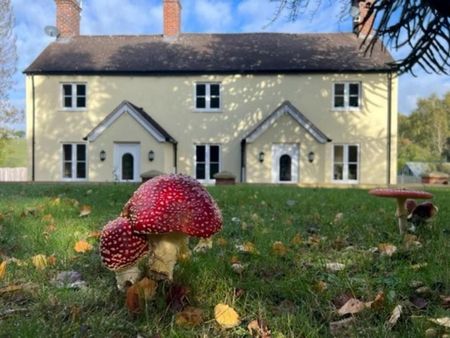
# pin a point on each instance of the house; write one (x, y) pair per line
(268, 107)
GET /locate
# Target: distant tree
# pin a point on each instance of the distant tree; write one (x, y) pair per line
(8, 57)
(419, 27)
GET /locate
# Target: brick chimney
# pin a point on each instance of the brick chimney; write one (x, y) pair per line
(360, 29)
(172, 18)
(68, 15)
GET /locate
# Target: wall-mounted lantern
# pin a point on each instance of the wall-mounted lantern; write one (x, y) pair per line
(151, 155)
(261, 157)
(311, 156)
(102, 155)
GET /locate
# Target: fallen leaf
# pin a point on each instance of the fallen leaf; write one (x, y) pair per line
(431, 332)
(337, 327)
(51, 260)
(338, 218)
(2, 270)
(247, 247)
(48, 219)
(226, 316)
(445, 301)
(55, 201)
(419, 302)
(177, 297)
(85, 210)
(82, 246)
(221, 241)
(377, 302)
(39, 261)
(444, 321)
(94, 234)
(189, 317)
(320, 286)
(314, 240)
(419, 266)
(395, 315)
(352, 306)
(423, 290)
(411, 241)
(18, 287)
(297, 239)
(50, 228)
(334, 267)
(237, 267)
(279, 249)
(258, 328)
(387, 249)
(139, 293)
(203, 245)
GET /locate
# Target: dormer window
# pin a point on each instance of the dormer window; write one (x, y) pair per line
(207, 96)
(73, 95)
(347, 95)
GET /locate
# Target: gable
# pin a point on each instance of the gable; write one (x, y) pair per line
(287, 108)
(139, 115)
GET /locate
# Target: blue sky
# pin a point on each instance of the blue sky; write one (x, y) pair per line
(145, 17)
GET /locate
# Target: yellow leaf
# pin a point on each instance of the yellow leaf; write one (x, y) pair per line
(279, 249)
(85, 210)
(39, 261)
(95, 234)
(203, 245)
(352, 306)
(297, 239)
(82, 246)
(2, 270)
(444, 321)
(189, 317)
(51, 260)
(29, 287)
(226, 316)
(320, 286)
(387, 249)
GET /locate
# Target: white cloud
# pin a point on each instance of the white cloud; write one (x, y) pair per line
(213, 16)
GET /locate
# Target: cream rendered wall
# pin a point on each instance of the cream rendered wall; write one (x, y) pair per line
(246, 100)
(126, 130)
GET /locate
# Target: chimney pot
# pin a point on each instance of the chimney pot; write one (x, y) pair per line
(68, 16)
(172, 18)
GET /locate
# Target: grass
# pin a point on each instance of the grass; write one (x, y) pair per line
(281, 289)
(14, 154)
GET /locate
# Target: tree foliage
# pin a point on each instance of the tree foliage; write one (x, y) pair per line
(418, 28)
(425, 134)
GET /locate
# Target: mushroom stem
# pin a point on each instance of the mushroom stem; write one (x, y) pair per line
(128, 274)
(402, 215)
(165, 250)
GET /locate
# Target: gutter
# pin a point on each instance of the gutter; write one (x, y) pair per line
(175, 156)
(389, 127)
(243, 148)
(33, 130)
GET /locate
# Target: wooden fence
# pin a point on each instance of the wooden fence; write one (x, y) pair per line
(13, 174)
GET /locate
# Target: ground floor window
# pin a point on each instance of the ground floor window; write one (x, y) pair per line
(345, 162)
(74, 161)
(207, 161)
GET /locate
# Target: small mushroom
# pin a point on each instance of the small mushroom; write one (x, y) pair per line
(121, 249)
(401, 195)
(168, 209)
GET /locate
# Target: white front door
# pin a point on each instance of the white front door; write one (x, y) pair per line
(127, 162)
(285, 163)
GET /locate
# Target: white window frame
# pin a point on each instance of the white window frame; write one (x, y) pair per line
(74, 161)
(74, 96)
(207, 162)
(347, 95)
(346, 163)
(208, 97)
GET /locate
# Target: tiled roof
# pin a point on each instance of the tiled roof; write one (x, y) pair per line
(210, 53)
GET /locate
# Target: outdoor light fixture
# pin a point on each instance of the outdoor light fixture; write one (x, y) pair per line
(311, 156)
(261, 157)
(102, 155)
(151, 155)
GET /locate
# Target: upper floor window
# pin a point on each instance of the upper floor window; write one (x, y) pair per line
(74, 95)
(207, 96)
(347, 95)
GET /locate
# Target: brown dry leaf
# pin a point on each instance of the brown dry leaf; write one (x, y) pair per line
(221, 241)
(94, 234)
(177, 297)
(2, 270)
(320, 286)
(85, 210)
(444, 321)
(445, 301)
(226, 316)
(18, 287)
(377, 302)
(247, 247)
(395, 315)
(51, 260)
(82, 246)
(279, 249)
(39, 261)
(258, 328)
(234, 260)
(352, 306)
(237, 268)
(314, 240)
(203, 245)
(48, 219)
(297, 239)
(387, 249)
(189, 317)
(139, 293)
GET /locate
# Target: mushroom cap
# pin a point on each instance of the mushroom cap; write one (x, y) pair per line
(173, 203)
(400, 193)
(119, 246)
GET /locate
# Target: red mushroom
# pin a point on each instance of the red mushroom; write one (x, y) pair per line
(168, 209)
(121, 249)
(401, 195)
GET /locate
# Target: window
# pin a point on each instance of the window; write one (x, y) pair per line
(207, 162)
(347, 95)
(74, 95)
(207, 96)
(345, 163)
(74, 161)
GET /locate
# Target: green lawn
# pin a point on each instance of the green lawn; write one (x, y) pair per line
(293, 293)
(14, 154)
